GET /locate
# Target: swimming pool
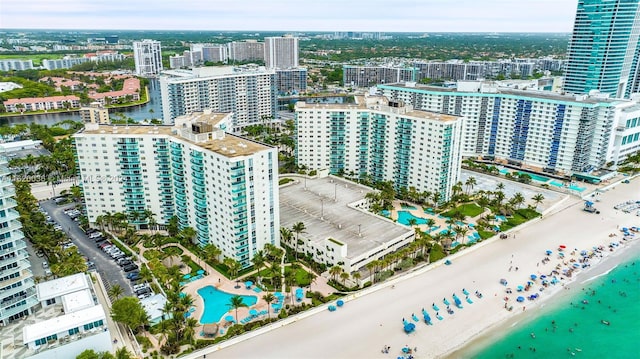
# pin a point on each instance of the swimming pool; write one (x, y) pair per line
(215, 303)
(536, 177)
(404, 217)
(571, 187)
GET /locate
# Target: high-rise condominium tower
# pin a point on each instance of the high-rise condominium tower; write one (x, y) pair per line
(603, 51)
(148, 57)
(281, 52)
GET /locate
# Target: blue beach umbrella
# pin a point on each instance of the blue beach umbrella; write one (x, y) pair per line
(534, 277)
(200, 271)
(340, 303)
(520, 299)
(253, 312)
(229, 318)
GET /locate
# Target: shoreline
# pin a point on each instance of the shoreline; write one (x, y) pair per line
(496, 331)
(363, 326)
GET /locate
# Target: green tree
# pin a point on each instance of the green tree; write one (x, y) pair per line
(211, 252)
(298, 228)
(269, 298)
(236, 302)
(92, 354)
(115, 291)
(129, 311)
(537, 199)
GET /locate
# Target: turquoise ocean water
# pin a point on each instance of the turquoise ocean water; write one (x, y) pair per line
(571, 328)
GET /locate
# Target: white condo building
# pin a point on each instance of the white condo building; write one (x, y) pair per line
(17, 293)
(148, 57)
(385, 140)
(225, 187)
(281, 52)
(541, 130)
(248, 93)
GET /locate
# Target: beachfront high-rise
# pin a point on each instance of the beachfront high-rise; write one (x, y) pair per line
(224, 187)
(17, 287)
(281, 52)
(148, 57)
(249, 93)
(539, 130)
(384, 140)
(603, 51)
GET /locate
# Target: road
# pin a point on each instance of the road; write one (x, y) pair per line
(110, 271)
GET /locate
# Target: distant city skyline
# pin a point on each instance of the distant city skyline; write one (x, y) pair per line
(290, 15)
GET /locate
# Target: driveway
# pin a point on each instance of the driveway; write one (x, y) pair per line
(110, 272)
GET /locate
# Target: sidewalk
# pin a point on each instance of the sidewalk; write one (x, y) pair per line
(118, 332)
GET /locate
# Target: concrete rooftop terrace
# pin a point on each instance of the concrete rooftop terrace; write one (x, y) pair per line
(229, 145)
(379, 103)
(324, 209)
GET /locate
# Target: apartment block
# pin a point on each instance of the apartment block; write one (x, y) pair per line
(545, 131)
(281, 52)
(367, 76)
(17, 286)
(18, 65)
(248, 50)
(248, 93)
(225, 187)
(95, 113)
(148, 57)
(291, 81)
(385, 140)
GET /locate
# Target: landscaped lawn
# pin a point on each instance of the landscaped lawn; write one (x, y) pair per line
(469, 210)
(301, 276)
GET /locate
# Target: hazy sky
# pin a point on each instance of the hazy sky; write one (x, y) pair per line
(292, 15)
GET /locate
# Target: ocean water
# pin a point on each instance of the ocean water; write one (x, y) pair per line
(573, 326)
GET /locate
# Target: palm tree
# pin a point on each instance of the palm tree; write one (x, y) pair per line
(344, 276)
(537, 199)
(236, 302)
(190, 329)
(371, 266)
(211, 252)
(413, 222)
(470, 183)
(233, 265)
(115, 291)
(188, 234)
(356, 276)
(123, 353)
(518, 200)
(436, 196)
(298, 228)
(335, 271)
(285, 236)
(500, 186)
(258, 261)
(430, 222)
(269, 298)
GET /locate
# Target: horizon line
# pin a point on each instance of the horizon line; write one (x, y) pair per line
(301, 31)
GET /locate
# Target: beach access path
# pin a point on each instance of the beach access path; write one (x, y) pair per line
(372, 318)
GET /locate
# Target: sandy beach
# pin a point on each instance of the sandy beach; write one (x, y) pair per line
(373, 318)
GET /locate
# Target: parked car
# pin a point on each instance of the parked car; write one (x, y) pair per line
(134, 277)
(124, 262)
(40, 254)
(130, 267)
(45, 265)
(95, 234)
(146, 295)
(47, 273)
(90, 230)
(131, 274)
(143, 291)
(104, 244)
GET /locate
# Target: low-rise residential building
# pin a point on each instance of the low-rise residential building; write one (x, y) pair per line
(68, 321)
(130, 92)
(340, 231)
(18, 65)
(41, 103)
(95, 113)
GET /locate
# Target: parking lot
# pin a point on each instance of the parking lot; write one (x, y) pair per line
(110, 271)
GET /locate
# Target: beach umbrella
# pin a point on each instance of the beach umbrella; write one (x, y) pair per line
(409, 327)
(562, 246)
(583, 253)
(576, 265)
(520, 299)
(457, 300)
(332, 308)
(253, 312)
(200, 272)
(549, 252)
(520, 288)
(186, 276)
(229, 318)
(534, 277)
(248, 284)
(340, 303)
(465, 292)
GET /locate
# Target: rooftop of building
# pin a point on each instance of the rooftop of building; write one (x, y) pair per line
(380, 103)
(61, 286)
(214, 71)
(216, 141)
(62, 323)
(491, 87)
(323, 205)
(154, 305)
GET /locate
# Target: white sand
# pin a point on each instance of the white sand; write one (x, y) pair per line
(363, 326)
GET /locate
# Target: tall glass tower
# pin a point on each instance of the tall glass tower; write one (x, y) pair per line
(17, 287)
(603, 51)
